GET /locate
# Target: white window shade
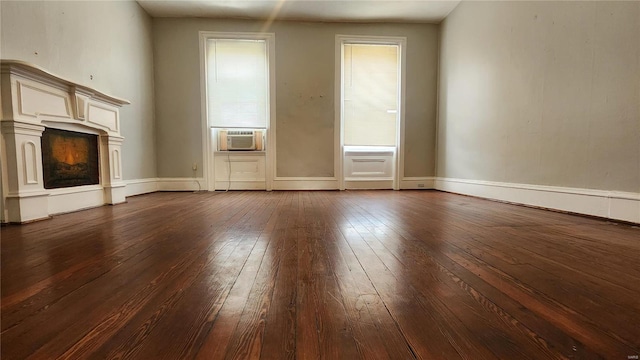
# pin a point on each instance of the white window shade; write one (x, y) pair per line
(370, 94)
(237, 83)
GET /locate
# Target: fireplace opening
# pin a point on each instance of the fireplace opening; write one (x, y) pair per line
(69, 159)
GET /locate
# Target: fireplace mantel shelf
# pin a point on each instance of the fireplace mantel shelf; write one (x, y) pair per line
(34, 99)
(19, 67)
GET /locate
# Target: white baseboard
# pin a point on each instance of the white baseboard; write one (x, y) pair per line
(368, 184)
(141, 186)
(305, 183)
(419, 183)
(180, 184)
(241, 185)
(71, 199)
(144, 186)
(607, 204)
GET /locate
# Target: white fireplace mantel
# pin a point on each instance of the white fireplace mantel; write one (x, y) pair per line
(32, 100)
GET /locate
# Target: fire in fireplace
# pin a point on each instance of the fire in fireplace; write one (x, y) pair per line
(69, 159)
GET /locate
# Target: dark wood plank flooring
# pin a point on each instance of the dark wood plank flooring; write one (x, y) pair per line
(319, 275)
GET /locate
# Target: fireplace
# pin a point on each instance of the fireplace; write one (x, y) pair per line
(61, 145)
(69, 159)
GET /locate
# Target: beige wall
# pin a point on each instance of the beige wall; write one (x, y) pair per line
(305, 76)
(110, 41)
(543, 93)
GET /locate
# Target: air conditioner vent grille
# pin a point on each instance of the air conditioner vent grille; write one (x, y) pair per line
(240, 142)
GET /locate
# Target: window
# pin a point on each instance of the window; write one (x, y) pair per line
(370, 94)
(237, 83)
(237, 70)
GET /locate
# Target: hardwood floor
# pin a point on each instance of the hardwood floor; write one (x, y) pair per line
(331, 275)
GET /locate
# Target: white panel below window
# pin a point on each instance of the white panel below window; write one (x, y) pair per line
(368, 163)
(247, 170)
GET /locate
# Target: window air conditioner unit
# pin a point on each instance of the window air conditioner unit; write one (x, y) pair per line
(241, 140)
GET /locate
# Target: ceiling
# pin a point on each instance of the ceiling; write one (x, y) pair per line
(423, 11)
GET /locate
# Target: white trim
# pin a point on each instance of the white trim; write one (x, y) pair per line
(418, 183)
(437, 137)
(180, 184)
(208, 165)
(338, 138)
(212, 138)
(368, 184)
(62, 202)
(207, 161)
(141, 186)
(369, 179)
(239, 153)
(305, 183)
(241, 185)
(607, 204)
(270, 146)
(401, 42)
(75, 190)
(403, 95)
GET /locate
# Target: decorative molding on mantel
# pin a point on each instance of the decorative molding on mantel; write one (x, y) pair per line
(35, 72)
(34, 99)
(616, 205)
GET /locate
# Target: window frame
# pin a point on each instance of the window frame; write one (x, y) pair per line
(341, 39)
(208, 140)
